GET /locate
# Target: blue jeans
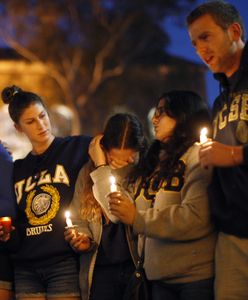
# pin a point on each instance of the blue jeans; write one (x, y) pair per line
(197, 290)
(58, 280)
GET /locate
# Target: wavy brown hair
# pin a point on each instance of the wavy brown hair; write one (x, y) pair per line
(90, 209)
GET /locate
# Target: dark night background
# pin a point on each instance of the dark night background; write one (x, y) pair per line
(89, 59)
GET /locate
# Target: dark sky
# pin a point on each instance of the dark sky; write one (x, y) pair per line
(181, 45)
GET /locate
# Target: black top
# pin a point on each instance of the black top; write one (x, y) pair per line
(44, 186)
(113, 248)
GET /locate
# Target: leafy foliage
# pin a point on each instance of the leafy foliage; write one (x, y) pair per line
(82, 44)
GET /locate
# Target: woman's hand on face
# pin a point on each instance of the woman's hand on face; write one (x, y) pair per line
(120, 163)
(96, 152)
(78, 241)
(117, 163)
(121, 207)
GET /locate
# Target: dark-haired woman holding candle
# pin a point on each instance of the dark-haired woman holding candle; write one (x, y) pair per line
(45, 265)
(171, 215)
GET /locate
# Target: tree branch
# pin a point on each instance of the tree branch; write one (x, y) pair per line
(98, 72)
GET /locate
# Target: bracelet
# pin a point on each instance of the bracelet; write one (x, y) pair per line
(99, 166)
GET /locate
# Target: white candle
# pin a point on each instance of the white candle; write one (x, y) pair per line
(203, 135)
(68, 219)
(113, 186)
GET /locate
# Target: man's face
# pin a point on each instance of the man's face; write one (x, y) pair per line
(214, 45)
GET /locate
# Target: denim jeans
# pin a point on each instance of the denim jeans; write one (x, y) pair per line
(197, 290)
(58, 280)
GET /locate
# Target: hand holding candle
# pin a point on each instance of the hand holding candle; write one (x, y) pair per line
(122, 207)
(104, 201)
(6, 223)
(203, 135)
(68, 219)
(69, 223)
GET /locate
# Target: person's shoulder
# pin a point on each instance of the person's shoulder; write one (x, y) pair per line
(4, 153)
(192, 150)
(85, 139)
(193, 162)
(82, 138)
(22, 161)
(77, 144)
(191, 156)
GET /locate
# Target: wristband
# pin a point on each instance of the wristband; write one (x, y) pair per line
(102, 165)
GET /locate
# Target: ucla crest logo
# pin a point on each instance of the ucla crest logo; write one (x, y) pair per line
(43, 207)
(41, 203)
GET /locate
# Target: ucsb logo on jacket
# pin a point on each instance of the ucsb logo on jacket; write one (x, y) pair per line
(173, 184)
(238, 112)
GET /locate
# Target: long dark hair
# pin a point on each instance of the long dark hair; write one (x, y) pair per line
(18, 101)
(191, 114)
(122, 131)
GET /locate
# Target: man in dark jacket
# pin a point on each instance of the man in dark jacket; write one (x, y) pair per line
(218, 36)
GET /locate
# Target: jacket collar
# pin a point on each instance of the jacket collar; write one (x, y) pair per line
(243, 68)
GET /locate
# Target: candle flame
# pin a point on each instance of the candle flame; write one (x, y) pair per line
(203, 135)
(67, 214)
(68, 219)
(112, 179)
(113, 186)
(4, 219)
(204, 131)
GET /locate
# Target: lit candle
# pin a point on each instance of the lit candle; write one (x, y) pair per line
(203, 135)
(6, 223)
(68, 219)
(69, 223)
(113, 186)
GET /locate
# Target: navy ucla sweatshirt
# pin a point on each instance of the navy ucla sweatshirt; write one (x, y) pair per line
(44, 186)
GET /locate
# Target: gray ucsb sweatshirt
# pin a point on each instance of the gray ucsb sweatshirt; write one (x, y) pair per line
(179, 237)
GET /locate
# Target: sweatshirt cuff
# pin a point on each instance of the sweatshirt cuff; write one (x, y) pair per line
(139, 222)
(101, 172)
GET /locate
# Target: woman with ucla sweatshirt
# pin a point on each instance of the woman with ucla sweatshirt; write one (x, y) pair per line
(7, 209)
(171, 215)
(45, 265)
